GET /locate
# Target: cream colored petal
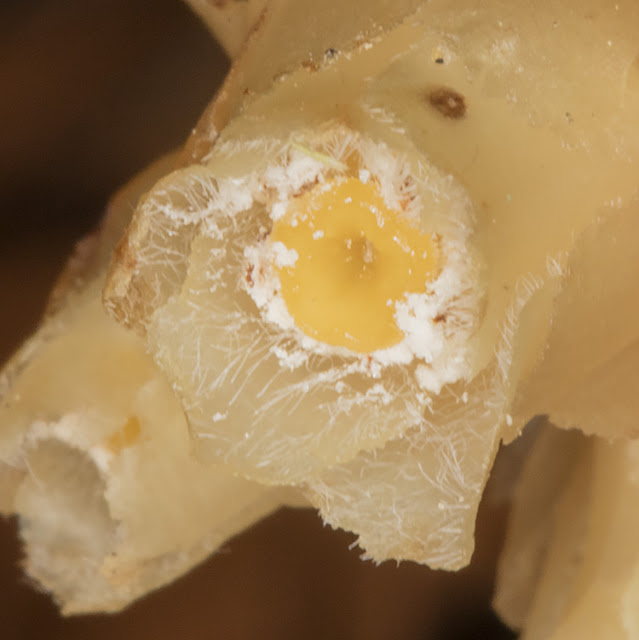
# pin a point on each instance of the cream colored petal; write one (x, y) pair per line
(588, 584)
(547, 471)
(588, 376)
(417, 498)
(288, 34)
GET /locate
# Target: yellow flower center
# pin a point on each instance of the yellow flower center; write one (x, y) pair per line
(356, 258)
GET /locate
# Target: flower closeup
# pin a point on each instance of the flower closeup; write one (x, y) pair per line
(386, 247)
(331, 293)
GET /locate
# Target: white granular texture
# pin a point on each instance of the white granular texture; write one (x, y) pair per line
(425, 318)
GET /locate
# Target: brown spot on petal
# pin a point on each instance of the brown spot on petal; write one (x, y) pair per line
(448, 102)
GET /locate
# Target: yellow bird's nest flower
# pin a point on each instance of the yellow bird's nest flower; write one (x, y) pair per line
(322, 317)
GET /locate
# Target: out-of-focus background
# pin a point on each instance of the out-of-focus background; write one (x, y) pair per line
(90, 93)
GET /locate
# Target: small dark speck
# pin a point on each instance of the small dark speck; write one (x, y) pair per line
(439, 60)
(448, 102)
(330, 53)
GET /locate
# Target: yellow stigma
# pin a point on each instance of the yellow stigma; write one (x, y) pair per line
(356, 259)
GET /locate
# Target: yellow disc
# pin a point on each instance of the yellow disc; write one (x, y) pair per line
(355, 259)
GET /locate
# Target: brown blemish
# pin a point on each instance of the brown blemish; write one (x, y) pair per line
(126, 437)
(306, 187)
(249, 275)
(448, 102)
(439, 318)
(123, 256)
(264, 232)
(309, 65)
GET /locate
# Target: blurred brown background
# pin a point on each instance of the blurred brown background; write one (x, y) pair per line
(90, 92)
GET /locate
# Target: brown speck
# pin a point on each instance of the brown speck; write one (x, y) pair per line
(264, 232)
(309, 65)
(306, 187)
(123, 254)
(439, 60)
(126, 437)
(448, 102)
(249, 275)
(439, 318)
(405, 202)
(330, 53)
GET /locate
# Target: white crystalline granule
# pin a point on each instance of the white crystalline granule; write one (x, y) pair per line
(282, 256)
